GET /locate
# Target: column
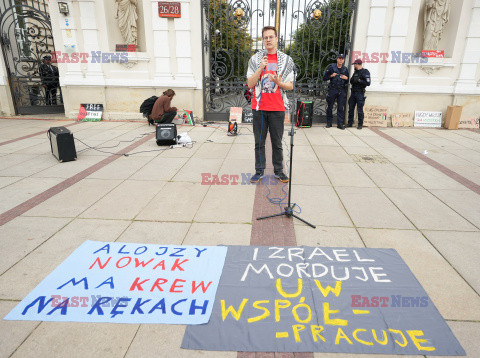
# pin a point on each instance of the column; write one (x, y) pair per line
(162, 44)
(466, 82)
(398, 36)
(183, 50)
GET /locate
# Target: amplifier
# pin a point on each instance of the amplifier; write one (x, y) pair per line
(166, 134)
(305, 114)
(62, 144)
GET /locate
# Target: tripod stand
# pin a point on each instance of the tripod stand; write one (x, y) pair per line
(288, 212)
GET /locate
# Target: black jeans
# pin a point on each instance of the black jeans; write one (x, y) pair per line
(168, 117)
(263, 122)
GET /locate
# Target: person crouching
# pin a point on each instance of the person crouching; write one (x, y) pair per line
(162, 112)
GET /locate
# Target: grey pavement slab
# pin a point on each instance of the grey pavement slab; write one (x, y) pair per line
(75, 199)
(147, 232)
(22, 235)
(468, 334)
(320, 206)
(160, 168)
(125, 201)
(308, 173)
(68, 169)
(386, 175)
(213, 150)
(347, 174)
(426, 211)
(465, 202)
(19, 280)
(328, 236)
(12, 333)
(84, 340)
(192, 170)
(121, 169)
(333, 154)
(176, 201)
(461, 250)
(370, 208)
(453, 297)
(430, 177)
(218, 234)
(6, 181)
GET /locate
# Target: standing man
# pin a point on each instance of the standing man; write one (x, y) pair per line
(50, 81)
(271, 74)
(359, 80)
(337, 74)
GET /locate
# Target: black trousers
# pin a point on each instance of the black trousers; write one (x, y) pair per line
(339, 95)
(273, 122)
(356, 98)
(168, 117)
(50, 95)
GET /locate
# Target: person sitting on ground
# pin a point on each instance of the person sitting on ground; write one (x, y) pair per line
(162, 112)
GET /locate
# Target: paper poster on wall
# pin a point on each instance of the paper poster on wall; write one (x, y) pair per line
(90, 112)
(319, 299)
(375, 116)
(128, 283)
(428, 119)
(402, 120)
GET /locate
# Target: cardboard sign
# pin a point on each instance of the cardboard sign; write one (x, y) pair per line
(428, 119)
(90, 112)
(236, 114)
(248, 117)
(128, 283)
(469, 123)
(169, 9)
(321, 299)
(375, 116)
(402, 120)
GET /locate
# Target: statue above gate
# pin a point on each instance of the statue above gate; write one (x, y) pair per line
(126, 15)
(437, 14)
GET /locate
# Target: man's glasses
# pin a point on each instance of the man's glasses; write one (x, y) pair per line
(268, 38)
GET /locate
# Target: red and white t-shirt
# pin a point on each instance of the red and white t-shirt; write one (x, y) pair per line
(271, 99)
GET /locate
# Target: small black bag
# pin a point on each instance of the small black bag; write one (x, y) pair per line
(147, 106)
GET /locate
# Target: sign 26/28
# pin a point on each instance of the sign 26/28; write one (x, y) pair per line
(166, 8)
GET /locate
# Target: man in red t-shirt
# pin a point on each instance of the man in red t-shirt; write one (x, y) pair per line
(271, 74)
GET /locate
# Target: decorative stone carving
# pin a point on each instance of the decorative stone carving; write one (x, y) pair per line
(437, 14)
(126, 15)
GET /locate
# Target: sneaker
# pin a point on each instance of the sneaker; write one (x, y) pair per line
(341, 126)
(359, 126)
(256, 177)
(282, 177)
(329, 125)
(350, 125)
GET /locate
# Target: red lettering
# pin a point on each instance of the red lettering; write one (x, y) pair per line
(65, 58)
(356, 300)
(384, 56)
(215, 180)
(356, 55)
(84, 56)
(384, 301)
(100, 263)
(83, 301)
(204, 289)
(234, 178)
(365, 302)
(158, 282)
(161, 264)
(205, 177)
(73, 302)
(75, 58)
(56, 300)
(177, 265)
(374, 58)
(365, 57)
(138, 285)
(128, 263)
(174, 286)
(142, 263)
(225, 179)
(374, 302)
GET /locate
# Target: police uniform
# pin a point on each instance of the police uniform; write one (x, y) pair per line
(360, 79)
(49, 76)
(337, 90)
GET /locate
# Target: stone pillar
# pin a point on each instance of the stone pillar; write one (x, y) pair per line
(183, 51)
(467, 82)
(398, 36)
(162, 48)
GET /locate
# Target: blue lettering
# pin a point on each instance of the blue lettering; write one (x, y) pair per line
(98, 303)
(396, 301)
(246, 178)
(124, 57)
(108, 281)
(85, 283)
(41, 304)
(63, 306)
(200, 251)
(164, 251)
(138, 305)
(106, 57)
(115, 57)
(141, 247)
(193, 307)
(179, 249)
(174, 311)
(159, 306)
(120, 304)
(96, 56)
(396, 57)
(106, 247)
(121, 250)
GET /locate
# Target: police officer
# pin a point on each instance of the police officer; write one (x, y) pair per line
(49, 76)
(337, 74)
(359, 80)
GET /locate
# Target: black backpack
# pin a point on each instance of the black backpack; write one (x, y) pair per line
(147, 106)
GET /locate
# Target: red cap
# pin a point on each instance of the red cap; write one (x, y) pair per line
(357, 61)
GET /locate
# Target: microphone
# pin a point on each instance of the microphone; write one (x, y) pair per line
(265, 52)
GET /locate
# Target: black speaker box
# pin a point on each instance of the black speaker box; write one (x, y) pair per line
(166, 134)
(62, 144)
(305, 114)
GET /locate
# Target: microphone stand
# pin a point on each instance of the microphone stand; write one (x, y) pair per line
(288, 212)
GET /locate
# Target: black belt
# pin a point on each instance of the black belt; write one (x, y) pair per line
(358, 90)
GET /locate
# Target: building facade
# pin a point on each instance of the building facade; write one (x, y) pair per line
(386, 34)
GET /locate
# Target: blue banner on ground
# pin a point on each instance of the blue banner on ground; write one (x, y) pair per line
(128, 283)
(306, 299)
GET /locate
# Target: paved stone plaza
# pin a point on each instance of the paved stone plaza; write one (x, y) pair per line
(414, 190)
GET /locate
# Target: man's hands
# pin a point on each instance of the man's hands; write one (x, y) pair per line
(343, 77)
(264, 63)
(274, 78)
(333, 74)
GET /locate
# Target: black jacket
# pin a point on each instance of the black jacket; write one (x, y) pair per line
(336, 82)
(49, 75)
(360, 79)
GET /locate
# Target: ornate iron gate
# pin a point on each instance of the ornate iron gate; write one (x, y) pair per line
(26, 37)
(313, 32)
